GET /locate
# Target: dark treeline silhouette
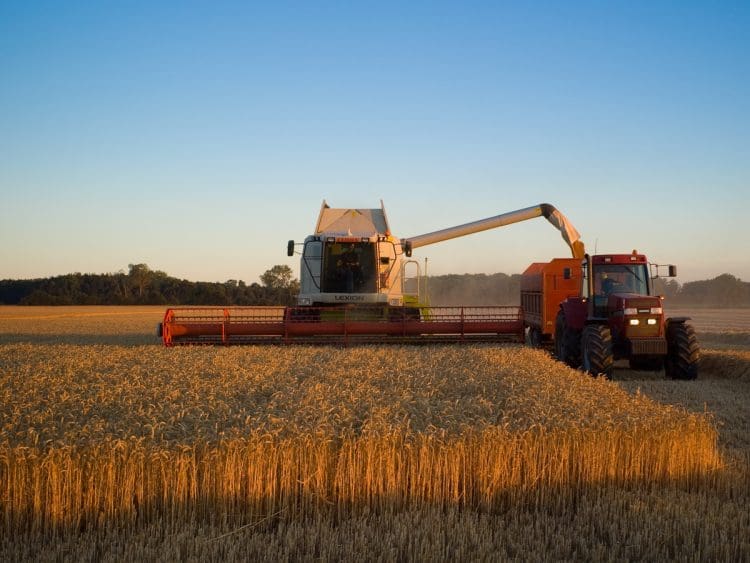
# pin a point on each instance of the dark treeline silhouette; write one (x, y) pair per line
(143, 286)
(724, 291)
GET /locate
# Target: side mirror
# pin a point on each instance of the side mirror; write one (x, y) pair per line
(672, 270)
(407, 248)
(290, 248)
(566, 273)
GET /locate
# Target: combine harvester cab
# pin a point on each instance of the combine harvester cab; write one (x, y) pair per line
(353, 276)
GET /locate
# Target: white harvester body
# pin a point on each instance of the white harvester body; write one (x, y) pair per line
(351, 258)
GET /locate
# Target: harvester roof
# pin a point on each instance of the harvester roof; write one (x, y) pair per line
(352, 222)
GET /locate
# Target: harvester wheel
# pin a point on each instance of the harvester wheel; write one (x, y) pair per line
(682, 352)
(412, 313)
(567, 342)
(597, 358)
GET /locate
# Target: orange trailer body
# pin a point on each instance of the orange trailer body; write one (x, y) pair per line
(544, 285)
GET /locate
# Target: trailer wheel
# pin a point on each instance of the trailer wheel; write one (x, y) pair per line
(534, 337)
(597, 358)
(567, 342)
(682, 352)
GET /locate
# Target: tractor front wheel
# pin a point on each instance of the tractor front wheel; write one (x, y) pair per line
(597, 358)
(682, 352)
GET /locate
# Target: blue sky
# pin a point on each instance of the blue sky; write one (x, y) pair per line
(198, 137)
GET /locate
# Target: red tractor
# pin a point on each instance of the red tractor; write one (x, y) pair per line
(613, 315)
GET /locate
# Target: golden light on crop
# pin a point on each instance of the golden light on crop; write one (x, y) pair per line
(225, 452)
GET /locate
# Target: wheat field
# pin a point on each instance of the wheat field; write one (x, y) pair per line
(113, 447)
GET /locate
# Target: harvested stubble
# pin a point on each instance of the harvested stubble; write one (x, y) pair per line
(96, 435)
(726, 364)
(110, 325)
(714, 321)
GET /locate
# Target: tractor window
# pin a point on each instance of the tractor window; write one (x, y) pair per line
(349, 268)
(621, 278)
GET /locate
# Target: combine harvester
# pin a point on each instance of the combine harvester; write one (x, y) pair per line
(353, 278)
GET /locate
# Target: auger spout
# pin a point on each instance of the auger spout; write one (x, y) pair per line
(549, 212)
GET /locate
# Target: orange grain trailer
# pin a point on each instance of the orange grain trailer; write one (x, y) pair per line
(544, 285)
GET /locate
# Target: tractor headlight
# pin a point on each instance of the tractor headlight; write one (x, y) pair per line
(656, 311)
(634, 322)
(304, 301)
(630, 311)
(651, 321)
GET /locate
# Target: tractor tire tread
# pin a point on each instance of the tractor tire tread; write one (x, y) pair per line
(683, 352)
(597, 347)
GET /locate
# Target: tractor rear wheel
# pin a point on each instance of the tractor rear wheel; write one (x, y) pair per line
(682, 352)
(597, 358)
(567, 342)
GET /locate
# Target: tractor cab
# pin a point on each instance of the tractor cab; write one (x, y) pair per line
(615, 278)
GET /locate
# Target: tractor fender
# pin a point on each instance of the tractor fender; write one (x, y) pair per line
(675, 320)
(575, 313)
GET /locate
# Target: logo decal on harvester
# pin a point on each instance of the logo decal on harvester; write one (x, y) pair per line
(349, 297)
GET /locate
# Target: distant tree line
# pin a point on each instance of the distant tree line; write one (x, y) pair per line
(143, 286)
(724, 291)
